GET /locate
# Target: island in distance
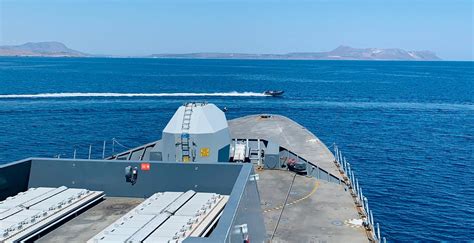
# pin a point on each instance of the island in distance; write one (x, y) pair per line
(41, 49)
(57, 49)
(340, 53)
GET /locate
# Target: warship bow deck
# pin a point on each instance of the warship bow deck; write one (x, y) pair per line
(316, 210)
(287, 134)
(262, 178)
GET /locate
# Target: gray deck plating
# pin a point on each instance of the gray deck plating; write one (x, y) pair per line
(92, 221)
(287, 134)
(316, 210)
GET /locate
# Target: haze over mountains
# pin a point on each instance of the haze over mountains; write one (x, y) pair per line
(41, 49)
(340, 53)
(57, 49)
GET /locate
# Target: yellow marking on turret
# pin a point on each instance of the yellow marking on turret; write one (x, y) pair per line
(205, 152)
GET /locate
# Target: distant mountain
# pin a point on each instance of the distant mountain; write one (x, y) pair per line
(41, 49)
(57, 49)
(340, 53)
(350, 53)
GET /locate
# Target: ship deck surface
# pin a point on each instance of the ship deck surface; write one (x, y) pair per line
(89, 223)
(316, 210)
(287, 134)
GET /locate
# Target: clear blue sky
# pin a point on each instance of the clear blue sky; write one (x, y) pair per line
(254, 26)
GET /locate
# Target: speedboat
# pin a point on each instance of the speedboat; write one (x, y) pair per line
(274, 92)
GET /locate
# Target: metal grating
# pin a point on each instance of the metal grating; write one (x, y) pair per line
(28, 213)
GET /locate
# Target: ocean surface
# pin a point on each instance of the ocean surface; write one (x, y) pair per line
(407, 128)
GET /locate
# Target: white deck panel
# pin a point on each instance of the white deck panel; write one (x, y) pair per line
(195, 204)
(140, 218)
(55, 193)
(23, 197)
(157, 203)
(169, 229)
(147, 229)
(39, 208)
(129, 226)
(57, 199)
(163, 217)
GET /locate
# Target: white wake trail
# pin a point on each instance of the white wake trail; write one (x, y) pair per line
(74, 95)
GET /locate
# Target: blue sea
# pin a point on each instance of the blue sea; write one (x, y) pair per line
(407, 128)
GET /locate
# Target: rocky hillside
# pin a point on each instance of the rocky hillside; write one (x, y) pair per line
(41, 49)
(340, 53)
(350, 53)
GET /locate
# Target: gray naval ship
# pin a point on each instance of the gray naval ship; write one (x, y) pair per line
(258, 178)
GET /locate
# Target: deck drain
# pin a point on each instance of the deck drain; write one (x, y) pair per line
(337, 222)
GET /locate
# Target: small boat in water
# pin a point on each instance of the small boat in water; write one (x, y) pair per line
(274, 92)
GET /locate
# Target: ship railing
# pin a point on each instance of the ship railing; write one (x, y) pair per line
(136, 153)
(312, 169)
(356, 190)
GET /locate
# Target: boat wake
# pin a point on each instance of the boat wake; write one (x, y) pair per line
(76, 95)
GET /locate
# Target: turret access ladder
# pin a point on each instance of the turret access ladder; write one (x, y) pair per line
(186, 155)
